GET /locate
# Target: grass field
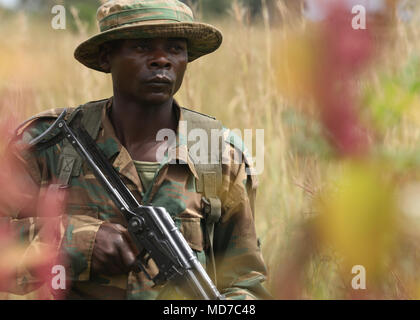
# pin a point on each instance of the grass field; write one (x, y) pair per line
(237, 84)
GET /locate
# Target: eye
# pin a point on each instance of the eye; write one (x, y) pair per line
(143, 46)
(177, 48)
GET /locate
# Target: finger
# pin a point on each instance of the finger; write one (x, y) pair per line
(119, 227)
(127, 250)
(127, 255)
(129, 239)
(106, 256)
(131, 243)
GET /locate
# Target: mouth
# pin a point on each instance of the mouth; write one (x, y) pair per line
(160, 80)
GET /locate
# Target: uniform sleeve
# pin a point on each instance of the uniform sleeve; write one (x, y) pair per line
(43, 235)
(239, 262)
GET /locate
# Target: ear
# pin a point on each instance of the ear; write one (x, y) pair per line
(104, 58)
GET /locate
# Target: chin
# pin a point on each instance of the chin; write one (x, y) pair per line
(157, 99)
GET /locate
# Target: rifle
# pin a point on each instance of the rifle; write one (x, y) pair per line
(151, 228)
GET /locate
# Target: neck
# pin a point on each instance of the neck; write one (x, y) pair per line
(136, 123)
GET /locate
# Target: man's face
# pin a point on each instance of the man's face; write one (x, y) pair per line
(149, 70)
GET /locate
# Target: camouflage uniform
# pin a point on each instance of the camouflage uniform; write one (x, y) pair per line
(240, 267)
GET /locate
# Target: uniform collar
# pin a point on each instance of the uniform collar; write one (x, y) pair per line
(109, 143)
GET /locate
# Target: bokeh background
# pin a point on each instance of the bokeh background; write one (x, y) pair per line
(340, 109)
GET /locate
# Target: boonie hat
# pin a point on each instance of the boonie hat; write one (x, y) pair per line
(135, 19)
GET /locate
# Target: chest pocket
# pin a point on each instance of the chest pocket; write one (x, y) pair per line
(192, 231)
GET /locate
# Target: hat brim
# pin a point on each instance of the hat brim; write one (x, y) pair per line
(201, 38)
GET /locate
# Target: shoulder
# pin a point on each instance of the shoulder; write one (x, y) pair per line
(198, 119)
(234, 153)
(35, 122)
(205, 121)
(35, 126)
(39, 123)
(237, 154)
(234, 139)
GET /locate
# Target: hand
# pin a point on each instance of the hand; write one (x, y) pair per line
(113, 252)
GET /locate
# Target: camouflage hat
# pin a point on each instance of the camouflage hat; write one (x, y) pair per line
(134, 19)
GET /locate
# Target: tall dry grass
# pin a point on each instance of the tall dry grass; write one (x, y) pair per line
(237, 85)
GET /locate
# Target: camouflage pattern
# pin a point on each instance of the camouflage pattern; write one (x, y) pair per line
(240, 266)
(133, 19)
(115, 13)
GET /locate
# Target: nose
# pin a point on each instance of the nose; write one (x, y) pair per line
(159, 60)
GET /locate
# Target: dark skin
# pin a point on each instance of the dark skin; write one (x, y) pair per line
(146, 74)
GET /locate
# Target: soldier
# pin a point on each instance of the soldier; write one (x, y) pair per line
(146, 46)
